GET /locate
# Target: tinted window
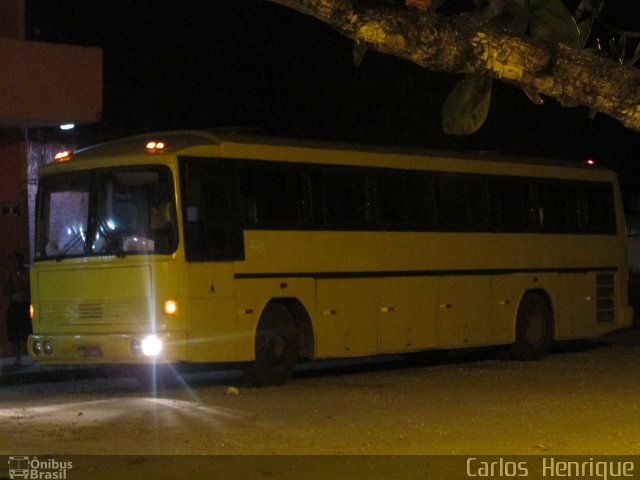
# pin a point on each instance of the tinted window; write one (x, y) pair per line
(210, 210)
(338, 198)
(511, 207)
(557, 207)
(461, 202)
(598, 214)
(419, 201)
(270, 196)
(389, 199)
(220, 197)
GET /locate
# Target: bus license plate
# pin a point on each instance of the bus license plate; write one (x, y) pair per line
(89, 352)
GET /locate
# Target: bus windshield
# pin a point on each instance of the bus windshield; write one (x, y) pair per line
(106, 212)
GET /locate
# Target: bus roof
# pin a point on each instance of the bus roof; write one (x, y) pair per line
(224, 142)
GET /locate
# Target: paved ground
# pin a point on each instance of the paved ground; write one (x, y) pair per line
(582, 399)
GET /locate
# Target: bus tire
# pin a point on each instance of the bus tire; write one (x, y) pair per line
(277, 347)
(534, 328)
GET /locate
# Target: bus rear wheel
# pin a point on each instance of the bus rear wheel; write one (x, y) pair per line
(277, 347)
(534, 328)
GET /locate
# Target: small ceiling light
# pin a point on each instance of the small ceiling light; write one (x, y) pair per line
(67, 126)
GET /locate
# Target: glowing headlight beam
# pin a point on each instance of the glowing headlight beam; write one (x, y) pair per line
(151, 346)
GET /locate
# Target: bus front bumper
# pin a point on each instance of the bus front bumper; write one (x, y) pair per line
(161, 347)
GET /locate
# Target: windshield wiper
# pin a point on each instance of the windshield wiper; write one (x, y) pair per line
(111, 242)
(69, 245)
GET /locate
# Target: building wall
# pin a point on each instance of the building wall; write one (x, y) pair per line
(36, 90)
(45, 84)
(14, 234)
(12, 19)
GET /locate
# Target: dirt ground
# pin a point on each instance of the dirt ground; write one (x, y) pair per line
(581, 399)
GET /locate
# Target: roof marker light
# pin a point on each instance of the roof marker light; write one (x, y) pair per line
(62, 156)
(153, 147)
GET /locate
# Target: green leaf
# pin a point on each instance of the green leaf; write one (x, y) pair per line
(585, 30)
(359, 50)
(552, 22)
(518, 11)
(636, 57)
(465, 109)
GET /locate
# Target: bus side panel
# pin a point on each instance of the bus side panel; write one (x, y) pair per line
(217, 333)
(506, 292)
(584, 304)
(347, 317)
(576, 305)
(463, 318)
(407, 314)
(376, 315)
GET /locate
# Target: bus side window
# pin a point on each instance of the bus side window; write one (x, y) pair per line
(461, 202)
(403, 201)
(270, 196)
(248, 195)
(389, 199)
(511, 206)
(598, 214)
(557, 207)
(338, 198)
(209, 195)
(419, 201)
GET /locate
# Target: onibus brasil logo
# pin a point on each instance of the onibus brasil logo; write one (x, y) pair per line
(36, 469)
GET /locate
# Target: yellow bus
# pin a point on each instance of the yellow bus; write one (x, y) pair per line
(206, 247)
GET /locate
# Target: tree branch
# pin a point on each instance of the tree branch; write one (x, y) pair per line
(472, 44)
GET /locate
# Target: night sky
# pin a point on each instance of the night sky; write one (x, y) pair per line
(218, 63)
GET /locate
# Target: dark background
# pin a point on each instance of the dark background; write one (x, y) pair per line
(191, 64)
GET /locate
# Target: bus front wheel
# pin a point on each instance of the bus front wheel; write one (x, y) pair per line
(277, 347)
(534, 328)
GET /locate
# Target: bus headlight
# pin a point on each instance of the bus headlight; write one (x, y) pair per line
(151, 346)
(36, 347)
(135, 346)
(47, 347)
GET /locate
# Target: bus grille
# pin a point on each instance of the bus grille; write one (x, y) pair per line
(65, 313)
(85, 311)
(605, 297)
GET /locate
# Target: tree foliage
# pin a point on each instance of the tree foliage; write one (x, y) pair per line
(536, 45)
